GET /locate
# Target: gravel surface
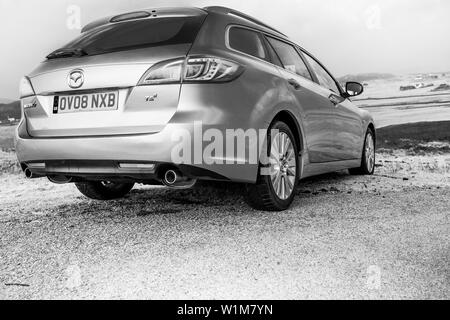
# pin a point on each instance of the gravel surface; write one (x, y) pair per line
(346, 237)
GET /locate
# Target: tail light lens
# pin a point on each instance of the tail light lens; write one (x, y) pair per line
(164, 72)
(211, 69)
(192, 69)
(26, 89)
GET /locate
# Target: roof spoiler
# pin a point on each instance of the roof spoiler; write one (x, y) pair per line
(144, 14)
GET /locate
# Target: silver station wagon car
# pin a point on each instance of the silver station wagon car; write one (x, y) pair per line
(172, 96)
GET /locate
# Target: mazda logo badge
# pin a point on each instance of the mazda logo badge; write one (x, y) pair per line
(75, 79)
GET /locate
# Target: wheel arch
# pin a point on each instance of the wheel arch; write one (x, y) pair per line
(288, 118)
(371, 126)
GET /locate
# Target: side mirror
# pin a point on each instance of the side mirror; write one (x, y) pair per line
(353, 89)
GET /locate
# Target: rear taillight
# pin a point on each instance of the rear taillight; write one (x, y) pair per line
(211, 69)
(163, 73)
(192, 69)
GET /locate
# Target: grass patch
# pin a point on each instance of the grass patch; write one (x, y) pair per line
(423, 137)
(8, 163)
(7, 138)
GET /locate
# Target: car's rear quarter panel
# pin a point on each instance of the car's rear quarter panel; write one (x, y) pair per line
(250, 102)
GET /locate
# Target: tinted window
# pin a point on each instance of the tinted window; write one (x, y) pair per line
(290, 58)
(272, 54)
(138, 34)
(323, 76)
(247, 41)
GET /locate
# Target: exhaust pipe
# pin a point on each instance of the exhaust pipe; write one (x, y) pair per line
(30, 170)
(176, 180)
(171, 177)
(28, 173)
(60, 179)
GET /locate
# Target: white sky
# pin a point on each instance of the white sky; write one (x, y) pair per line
(348, 36)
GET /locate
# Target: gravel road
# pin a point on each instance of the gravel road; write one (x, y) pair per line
(385, 236)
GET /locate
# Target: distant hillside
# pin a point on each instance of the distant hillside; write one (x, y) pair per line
(11, 110)
(365, 77)
(5, 101)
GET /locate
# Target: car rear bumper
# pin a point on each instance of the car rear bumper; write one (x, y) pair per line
(114, 157)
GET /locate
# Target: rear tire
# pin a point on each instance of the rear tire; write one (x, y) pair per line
(275, 190)
(368, 156)
(104, 190)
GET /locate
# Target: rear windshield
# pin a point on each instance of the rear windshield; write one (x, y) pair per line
(137, 34)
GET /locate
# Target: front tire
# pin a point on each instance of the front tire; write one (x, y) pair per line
(276, 184)
(368, 156)
(104, 190)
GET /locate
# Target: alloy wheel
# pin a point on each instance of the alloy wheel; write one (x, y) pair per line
(370, 152)
(283, 165)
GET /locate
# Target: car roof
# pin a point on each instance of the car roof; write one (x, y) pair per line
(231, 14)
(248, 20)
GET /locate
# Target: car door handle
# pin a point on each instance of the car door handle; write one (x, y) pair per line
(294, 83)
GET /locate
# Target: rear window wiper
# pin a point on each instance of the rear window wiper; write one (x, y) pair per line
(67, 53)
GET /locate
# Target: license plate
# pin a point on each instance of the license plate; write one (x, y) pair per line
(86, 102)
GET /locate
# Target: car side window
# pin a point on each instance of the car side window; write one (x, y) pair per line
(272, 54)
(247, 41)
(290, 58)
(325, 79)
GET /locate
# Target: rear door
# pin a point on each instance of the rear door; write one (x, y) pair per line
(347, 122)
(90, 86)
(316, 109)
